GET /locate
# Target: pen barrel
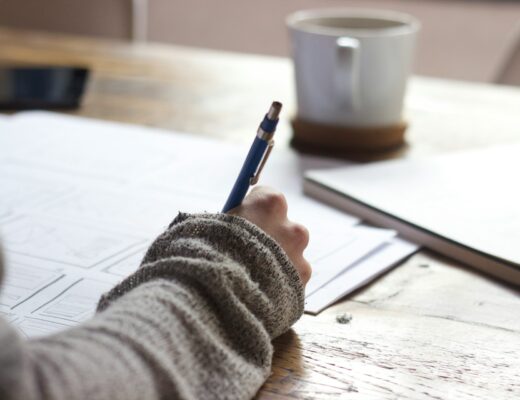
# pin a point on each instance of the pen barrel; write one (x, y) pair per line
(251, 163)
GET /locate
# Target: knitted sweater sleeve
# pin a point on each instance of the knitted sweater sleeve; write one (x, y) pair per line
(194, 322)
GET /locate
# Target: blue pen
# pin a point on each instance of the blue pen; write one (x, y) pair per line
(256, 158)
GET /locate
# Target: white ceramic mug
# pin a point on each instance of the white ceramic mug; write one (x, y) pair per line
(351, 66)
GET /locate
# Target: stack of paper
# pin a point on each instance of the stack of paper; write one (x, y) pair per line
(82, 199)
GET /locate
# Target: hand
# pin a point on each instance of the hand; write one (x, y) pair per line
(267, 209)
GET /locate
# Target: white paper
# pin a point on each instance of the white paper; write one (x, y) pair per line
(61, 242)
(26, 189)
(81, 201)
(127, 265)
(76, 303)
(359, 274)
(23, 281)
(34, 327)
(468, 198)
(340, 256)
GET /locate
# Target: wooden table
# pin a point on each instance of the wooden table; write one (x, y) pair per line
(431, 328)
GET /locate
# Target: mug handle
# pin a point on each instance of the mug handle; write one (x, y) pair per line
(347, 74)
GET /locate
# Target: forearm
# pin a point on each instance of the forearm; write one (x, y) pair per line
(195, 321)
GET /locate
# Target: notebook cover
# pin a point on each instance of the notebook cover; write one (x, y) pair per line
(465, 205)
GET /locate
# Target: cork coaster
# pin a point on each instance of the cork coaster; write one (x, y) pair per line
(315, 138)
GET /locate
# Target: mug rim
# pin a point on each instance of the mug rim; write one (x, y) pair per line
(409, 24)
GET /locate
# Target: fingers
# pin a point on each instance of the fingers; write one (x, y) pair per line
(262, 203)
(268, 201)
(267, 208)
(304, 269)
(299, 236)
(294, 238)
(273, 206)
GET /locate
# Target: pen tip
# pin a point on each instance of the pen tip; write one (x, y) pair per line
(274, 110)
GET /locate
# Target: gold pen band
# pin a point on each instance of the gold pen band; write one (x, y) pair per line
(261, 134)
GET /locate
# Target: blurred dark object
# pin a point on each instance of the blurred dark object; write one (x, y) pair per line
(45, 87)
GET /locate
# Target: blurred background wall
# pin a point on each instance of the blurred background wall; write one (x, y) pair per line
(476, 40)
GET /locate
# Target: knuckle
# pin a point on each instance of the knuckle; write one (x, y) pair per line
(306, 272)
(273, 202)
(300, 234)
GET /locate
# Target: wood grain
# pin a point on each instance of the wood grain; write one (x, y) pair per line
(426, 330)
(429, 329)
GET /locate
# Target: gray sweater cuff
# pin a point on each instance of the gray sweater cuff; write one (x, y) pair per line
(220, 254)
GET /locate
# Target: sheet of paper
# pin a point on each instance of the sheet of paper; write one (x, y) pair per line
(360, 273)
(83, 199)
(65, 243)
(128, 264)
(65, 305)
(23, 281)
(75, 304)
(22, 189)
(335, 257)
